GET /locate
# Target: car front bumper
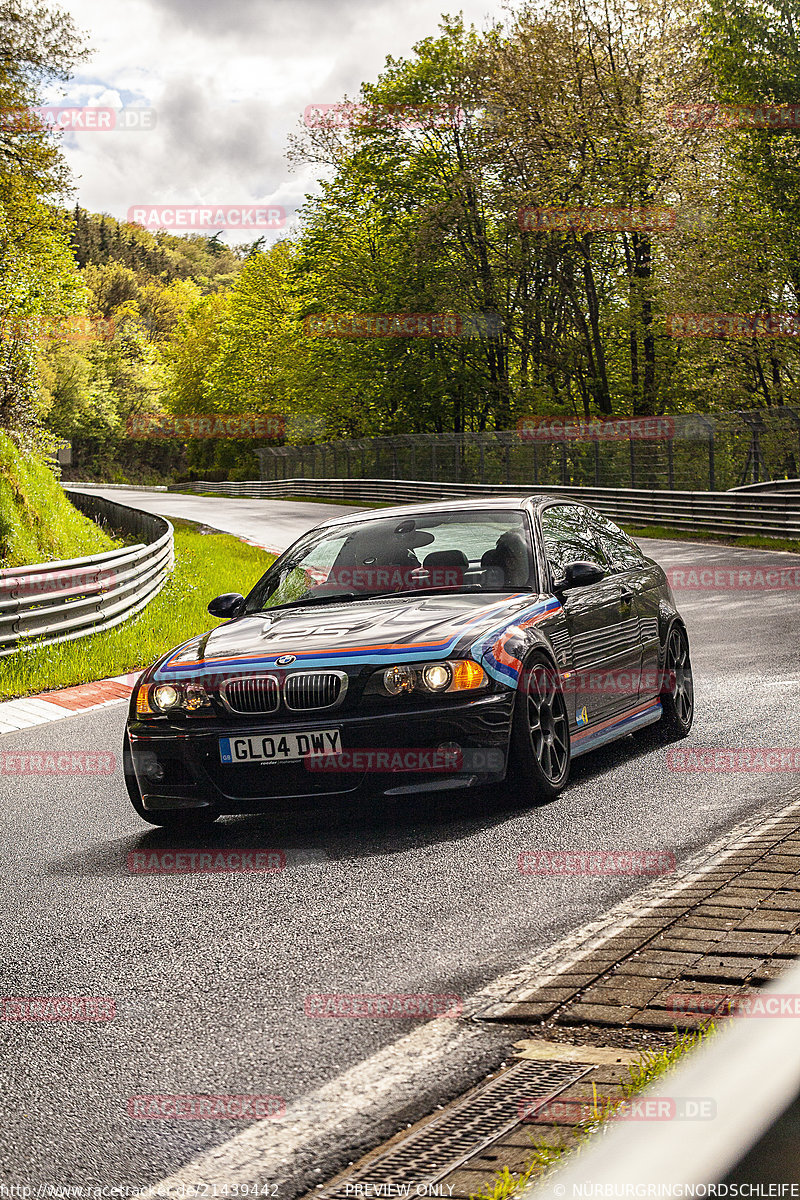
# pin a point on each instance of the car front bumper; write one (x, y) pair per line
(177, 764)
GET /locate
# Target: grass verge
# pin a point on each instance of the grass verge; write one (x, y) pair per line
(206, 565)
(686, 535)
(37, 521)
(544, 1158)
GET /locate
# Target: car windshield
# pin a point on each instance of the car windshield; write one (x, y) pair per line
(437, 552)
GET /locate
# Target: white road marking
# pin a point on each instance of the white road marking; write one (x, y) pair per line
(352, 1109)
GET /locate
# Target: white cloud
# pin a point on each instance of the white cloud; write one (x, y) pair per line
(229, 83)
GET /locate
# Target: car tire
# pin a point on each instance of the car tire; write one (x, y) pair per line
(540, 750)
(187, 819)
(677, 688)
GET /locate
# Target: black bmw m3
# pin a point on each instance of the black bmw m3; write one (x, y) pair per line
(413, 649)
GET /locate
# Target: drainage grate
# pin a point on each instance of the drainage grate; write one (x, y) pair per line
(447, 1142)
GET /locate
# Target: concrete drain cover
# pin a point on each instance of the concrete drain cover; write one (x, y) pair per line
(448, 1141)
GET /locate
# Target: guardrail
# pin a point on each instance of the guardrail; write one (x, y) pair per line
(688, 451)
(58, 601)
(750, 1073)
(731, 513)
(770, 485)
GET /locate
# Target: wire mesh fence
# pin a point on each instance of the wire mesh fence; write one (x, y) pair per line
(689, 451)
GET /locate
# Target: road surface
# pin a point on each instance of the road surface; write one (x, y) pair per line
(209, 972)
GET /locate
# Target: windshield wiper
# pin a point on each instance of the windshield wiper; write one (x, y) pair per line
(471, 589)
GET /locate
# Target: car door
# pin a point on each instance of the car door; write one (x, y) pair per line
(644, 579)
(601, 619)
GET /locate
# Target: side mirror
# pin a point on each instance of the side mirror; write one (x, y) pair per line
(227, 606)
(580, 574)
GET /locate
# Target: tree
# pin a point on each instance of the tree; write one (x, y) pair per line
(37, 274)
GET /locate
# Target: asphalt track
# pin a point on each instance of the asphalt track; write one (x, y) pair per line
(209, 972)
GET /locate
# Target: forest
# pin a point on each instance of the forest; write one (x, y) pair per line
(591, 211)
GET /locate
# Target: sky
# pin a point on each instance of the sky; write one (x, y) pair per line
(226, 83)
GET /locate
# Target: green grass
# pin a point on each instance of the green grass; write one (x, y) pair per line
(752, 542)
(544, 1158)
(37, 521)
(206, 565)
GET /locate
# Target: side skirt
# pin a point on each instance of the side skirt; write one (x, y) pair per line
(645, 714)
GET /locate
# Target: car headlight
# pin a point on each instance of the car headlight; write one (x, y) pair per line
(454, 675)
(189, 698)
(399, 679)
(196, 697)
(166, 696)
(436, 676)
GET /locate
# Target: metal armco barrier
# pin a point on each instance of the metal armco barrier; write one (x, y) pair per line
(732, 513)
(59, 601)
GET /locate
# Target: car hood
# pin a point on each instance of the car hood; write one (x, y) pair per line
(353, 633)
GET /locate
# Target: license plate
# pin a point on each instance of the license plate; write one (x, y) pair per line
(280, 747)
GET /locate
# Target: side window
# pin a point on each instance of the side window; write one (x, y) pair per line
(569, 536)
(620, 552)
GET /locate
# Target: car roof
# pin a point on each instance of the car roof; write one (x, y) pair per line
(462, 503)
